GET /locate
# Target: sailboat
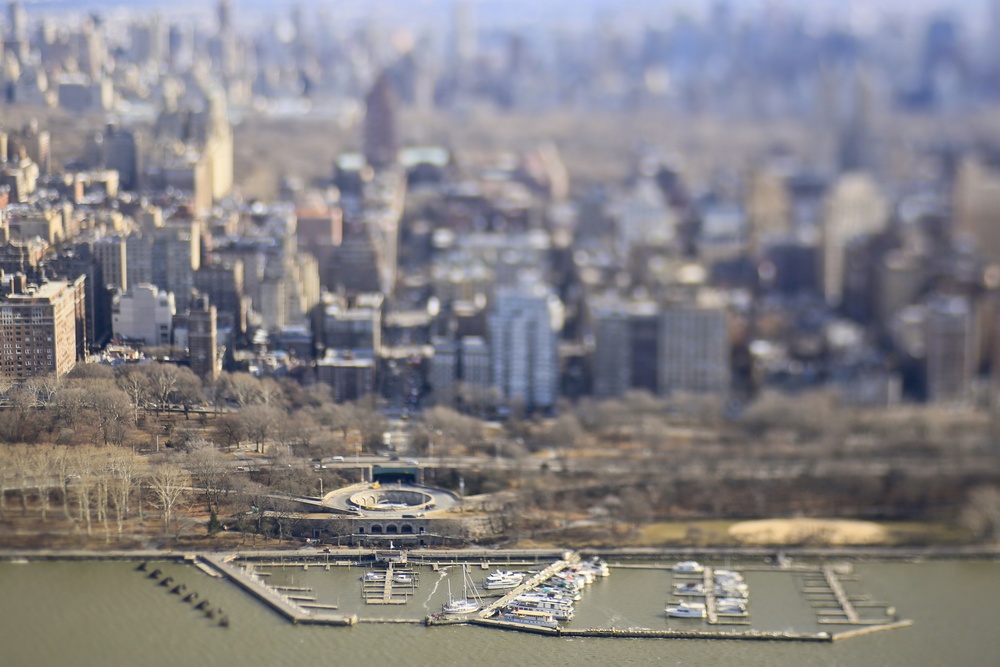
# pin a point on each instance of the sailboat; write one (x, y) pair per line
(462, 605)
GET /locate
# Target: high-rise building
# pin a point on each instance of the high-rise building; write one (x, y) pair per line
(769, 209)
(144, 314)
(17, 31)
(950, 349)
(380, 140)
(444, 370)
(524, 330)
(976, 206)
(176, 255)
(70, 263)
(203, 340)
(38, 144)
(694, 350)
(854, 207)
(111, 253)
(222, 282)
(612, 351)
(349, 378)
(356, 329)
(117, 149)
(474, 362)
(353, 266)
(39, 326)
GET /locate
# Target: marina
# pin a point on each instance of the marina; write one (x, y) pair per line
(542, 600)
(949, 603)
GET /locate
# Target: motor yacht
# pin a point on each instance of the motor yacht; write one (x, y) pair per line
(686, 610)
(689, 567)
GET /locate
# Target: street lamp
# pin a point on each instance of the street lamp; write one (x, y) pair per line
(321, 487)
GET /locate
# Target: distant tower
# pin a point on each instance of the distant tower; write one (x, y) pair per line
(465, 31)
(949, 348)
(380, 140)
(853, 208)
(224, 13)
(855, 140)
(976, 207)
(17, 37)
(202, 340)
(524, 331)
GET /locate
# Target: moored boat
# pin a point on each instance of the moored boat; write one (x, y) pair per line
(686, 610)
(529, 617)
(689, 567)
(503, 579)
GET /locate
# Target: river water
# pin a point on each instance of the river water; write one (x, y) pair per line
(107, 613)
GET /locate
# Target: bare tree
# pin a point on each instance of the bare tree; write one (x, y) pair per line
(43, 389)
(133, 380)
(982, 512)
(21, 466)
(229, 429)
(125, 467)
(260, 422)
(212, 473)
(163, 380)
(251, 500)
(83, 465)
(169, 484)
(112, 409)
(241, 388)
(4, 476)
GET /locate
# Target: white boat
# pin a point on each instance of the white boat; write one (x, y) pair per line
(558, 612)
(686, 610)
(374, 576)
(600, 567)
(527, 617)
(689, 588)
(462, 605)
(731, 606)
(403, 579)
(498, 580)
(561, 593)
(731, 590)
(689, 566)
(543, 602)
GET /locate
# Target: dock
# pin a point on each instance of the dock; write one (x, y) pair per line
(273, 598)
(529, 584)
(748, 635)
(389, 591)
(835, 607)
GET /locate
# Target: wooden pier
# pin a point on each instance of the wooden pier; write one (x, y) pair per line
(389, 591)
(835, 607)
(274, 599)
(529, 584)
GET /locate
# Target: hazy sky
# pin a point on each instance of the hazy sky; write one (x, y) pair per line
(535, 12)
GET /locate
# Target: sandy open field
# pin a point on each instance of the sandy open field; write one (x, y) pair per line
(833, 532)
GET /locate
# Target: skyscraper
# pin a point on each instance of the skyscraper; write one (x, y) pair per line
(694, 350)
(976, 206)
(202, 339)
(39, 327)
(854, 207)
(524, 330)
(380, 141)
(949, 341)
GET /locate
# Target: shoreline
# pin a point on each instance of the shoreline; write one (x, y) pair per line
(313, 554)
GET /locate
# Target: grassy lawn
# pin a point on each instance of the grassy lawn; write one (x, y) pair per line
(920, 533)
(686, 533)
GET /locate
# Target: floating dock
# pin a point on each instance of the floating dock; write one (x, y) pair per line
(835, 607)
(529, 584)
(274, 599)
